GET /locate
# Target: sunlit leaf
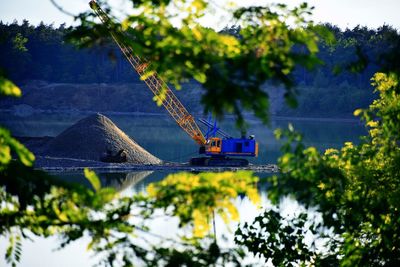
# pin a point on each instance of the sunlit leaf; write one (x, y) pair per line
(8, 144)
(93, 179)
(8, 88)
(195, 197)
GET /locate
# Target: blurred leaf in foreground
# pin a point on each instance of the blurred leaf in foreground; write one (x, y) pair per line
(195, 197)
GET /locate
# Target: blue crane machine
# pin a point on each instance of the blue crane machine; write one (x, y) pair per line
(217, 151)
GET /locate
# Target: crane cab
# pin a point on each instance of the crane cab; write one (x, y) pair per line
(213, 146)
(232, 147)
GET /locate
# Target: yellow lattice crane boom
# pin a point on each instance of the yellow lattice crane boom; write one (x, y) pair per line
(155, 83)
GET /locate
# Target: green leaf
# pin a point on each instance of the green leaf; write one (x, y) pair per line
(8, 144)
(200, 77)
(25, 156)
(8, 88)
(5, 154)
(147, 75)
(93, 179)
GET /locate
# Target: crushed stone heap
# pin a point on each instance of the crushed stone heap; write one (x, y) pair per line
(98, 138)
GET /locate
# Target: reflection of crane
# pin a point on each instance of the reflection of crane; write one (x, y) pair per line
(217, 148)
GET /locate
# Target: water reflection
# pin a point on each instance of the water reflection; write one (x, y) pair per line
(123, 181)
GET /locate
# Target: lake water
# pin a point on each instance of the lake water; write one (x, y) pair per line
(163, 138)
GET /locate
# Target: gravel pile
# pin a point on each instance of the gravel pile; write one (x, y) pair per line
(95, 138)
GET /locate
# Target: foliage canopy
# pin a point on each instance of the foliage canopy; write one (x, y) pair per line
(355, 188)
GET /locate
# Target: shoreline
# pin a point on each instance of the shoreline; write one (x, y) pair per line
(58, 165)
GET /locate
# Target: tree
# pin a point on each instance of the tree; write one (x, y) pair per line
(355, 189)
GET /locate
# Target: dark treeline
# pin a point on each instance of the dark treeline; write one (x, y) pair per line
(342, 83)
(335, 88)
(41, 53)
